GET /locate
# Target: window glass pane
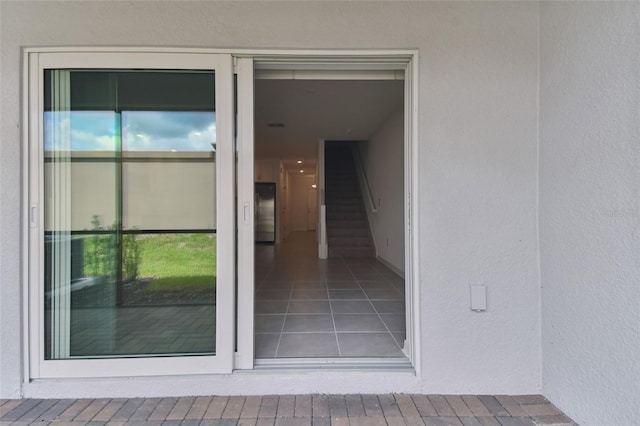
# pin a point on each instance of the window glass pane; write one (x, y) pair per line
(130, 213)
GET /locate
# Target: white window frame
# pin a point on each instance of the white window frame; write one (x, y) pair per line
(222, 361)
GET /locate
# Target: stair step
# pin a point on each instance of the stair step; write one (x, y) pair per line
(341, 185)
(346, 218)
(336, 183)
(345, 207)
(345, 169)
(346, 215)
(351, 252)
(352, 232)
(346, 223)
(352, 191)
(337, 176)
(360, 239)
(341, 181)
(348, 232)
(346, 201)
(344, 192)
(349, 241)
(339, 197)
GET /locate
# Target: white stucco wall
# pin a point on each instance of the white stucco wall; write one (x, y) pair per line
(383, 160)
(590, 209)
(477, 125)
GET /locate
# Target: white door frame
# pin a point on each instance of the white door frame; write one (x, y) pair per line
(332, 64)
(222, 361)
(246, 217)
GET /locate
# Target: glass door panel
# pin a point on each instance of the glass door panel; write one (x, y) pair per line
(134, 161)
(130, 207)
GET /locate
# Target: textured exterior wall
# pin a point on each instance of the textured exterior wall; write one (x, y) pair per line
(477, 126)
(590, 209)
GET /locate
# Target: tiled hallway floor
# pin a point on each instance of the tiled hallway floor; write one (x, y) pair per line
(311, 308)
(289, 410)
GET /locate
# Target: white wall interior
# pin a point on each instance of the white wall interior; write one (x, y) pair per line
(477, 180)
(383, 160)
(298, 205)
(281, 197)
(590, 209)
(266, 170)
(286, 204)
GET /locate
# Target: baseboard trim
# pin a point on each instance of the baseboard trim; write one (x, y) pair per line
(390, 266)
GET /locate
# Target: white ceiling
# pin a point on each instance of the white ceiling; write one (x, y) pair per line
(319, 109)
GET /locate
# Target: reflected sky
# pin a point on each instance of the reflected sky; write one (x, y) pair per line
(141, 130)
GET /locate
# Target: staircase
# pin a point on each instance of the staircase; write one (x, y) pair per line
(348, 233)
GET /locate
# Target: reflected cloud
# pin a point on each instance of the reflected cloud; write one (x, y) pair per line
(168, 131)
(141, 130)
(81, 130)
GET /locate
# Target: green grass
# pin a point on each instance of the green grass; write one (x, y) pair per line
(175, 261)
(175, 283)
(171, 261)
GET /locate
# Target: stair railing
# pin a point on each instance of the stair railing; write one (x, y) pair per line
(362, 179)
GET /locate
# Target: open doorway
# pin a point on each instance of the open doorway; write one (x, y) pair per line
(352, 304)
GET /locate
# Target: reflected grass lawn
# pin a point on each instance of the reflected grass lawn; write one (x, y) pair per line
(175, 261)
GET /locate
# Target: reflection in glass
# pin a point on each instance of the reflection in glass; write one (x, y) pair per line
(265, 220)
(130, 213)
(168, 131)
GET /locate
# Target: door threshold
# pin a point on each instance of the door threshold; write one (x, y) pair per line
(354, 364)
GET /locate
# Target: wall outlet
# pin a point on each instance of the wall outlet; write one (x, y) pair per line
(478, 298)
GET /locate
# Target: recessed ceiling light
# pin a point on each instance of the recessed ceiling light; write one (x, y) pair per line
(299, 161)
(301, 171)
(314, 186)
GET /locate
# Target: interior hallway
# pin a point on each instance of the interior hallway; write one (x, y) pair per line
(312, 308)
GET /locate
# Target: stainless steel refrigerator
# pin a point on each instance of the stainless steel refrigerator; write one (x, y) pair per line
(265, 220)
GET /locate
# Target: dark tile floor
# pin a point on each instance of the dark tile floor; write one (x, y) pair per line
(312, 308)
(289, 410)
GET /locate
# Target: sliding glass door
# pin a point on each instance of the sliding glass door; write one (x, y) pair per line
(133, 218)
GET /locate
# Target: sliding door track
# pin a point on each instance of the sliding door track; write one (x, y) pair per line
(352, 364)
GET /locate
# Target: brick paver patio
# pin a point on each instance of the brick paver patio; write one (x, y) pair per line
(289, 410)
